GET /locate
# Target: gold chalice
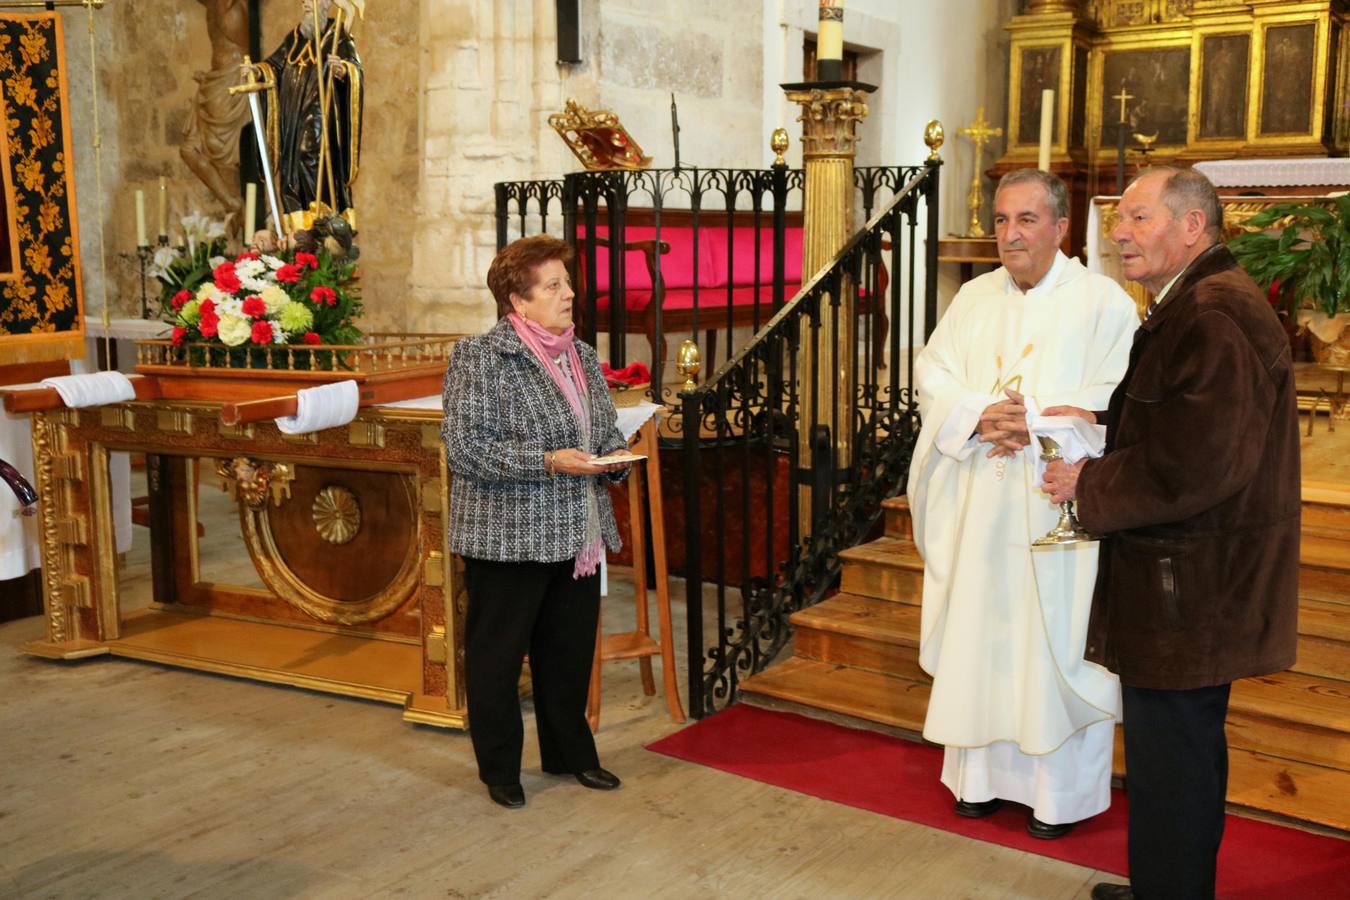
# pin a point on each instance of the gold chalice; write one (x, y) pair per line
(1068, 531)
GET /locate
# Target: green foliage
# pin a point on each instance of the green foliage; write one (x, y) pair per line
(1309, 260)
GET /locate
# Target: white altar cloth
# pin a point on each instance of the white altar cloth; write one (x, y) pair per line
(1257, 173)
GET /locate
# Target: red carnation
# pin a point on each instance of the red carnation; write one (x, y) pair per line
(322, 294)
(312, 338)
(289, 273)
(225, 277)
(253, 307)
(262, 332)
(307, 260)
(208, 324)
(247, 254)
(178, 334)
(179, 299)
(207, 307)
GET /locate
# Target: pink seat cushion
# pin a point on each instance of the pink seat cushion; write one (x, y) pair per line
(709, 299)
(741, 254)
(677, 266)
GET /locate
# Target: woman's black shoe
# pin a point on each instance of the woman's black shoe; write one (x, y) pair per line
(977, 810)
(598, 779)
(512, 796)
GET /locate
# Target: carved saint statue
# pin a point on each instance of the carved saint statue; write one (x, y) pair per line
(315, 78)
(211, 143)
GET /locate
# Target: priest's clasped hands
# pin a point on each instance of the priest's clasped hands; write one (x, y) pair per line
(1004, 424)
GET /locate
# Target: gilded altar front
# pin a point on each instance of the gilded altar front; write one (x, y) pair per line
(345, 529)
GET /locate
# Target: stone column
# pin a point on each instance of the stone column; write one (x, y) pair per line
(830, 115)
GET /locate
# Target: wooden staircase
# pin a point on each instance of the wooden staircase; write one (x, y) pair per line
(856, 654)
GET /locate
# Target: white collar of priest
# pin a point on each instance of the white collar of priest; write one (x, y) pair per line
(1047, 282)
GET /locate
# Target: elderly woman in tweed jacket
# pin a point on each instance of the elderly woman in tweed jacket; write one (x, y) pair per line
(528, 420)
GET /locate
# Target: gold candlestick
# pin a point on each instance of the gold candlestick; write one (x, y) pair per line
(980, 134)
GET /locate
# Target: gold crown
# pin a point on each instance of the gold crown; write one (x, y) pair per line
(597, 138)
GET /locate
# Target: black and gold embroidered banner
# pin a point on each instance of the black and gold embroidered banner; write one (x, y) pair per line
(41, 304)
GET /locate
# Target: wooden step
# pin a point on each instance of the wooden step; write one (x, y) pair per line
(1324, 568)
(1292, 716)
(897, 702)
(1297, 790)
(861, 632)
(1326, 511)
(888, 568)
(1323, 639)
(898, 522)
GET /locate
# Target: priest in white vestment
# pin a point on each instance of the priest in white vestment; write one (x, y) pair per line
(1023, 717)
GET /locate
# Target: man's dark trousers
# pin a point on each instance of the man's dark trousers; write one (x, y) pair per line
(1176, 773)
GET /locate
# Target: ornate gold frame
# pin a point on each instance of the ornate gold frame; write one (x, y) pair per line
(597, 138)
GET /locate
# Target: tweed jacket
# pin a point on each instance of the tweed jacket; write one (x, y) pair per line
(502, 412)
(1198, 494)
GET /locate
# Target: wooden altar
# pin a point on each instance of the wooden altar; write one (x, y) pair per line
(345, 527)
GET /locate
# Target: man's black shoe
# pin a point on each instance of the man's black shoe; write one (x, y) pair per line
(977, 810)
(1045, 831)
(598, 779)
(1105, 891)
(512, 796)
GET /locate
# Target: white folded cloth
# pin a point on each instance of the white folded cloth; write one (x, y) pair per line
(95, 389)
(326, 406)
(1077, 438)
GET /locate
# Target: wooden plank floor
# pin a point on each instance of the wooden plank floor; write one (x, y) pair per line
(130, 779)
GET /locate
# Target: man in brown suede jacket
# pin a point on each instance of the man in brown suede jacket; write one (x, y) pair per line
(1197, 500)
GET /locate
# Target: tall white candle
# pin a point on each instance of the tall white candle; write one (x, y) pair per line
(140, 220)
(830, 40)
(163, 208)
(250, 209)
(1047, 128)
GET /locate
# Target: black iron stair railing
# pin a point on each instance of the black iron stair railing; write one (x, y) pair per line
(742, 431)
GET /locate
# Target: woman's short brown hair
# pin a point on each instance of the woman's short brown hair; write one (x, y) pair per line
(512, 271)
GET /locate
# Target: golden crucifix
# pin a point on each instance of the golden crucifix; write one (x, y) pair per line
(1122, 97)
(980, 134)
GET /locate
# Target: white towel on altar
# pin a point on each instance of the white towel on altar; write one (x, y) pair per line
(94, 389)
(326, 406)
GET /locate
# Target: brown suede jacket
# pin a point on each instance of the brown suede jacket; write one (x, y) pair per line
(1198, 494)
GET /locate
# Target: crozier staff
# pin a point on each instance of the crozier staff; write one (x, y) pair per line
(528, 420)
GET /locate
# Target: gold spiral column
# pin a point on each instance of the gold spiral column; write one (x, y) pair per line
(830, 113)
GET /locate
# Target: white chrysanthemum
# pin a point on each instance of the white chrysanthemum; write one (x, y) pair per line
(279, 336)
(254, 285)
(274, 298)
(217, 261)
(272, 262)
(233, 330)
(230, 306)
(248, 268)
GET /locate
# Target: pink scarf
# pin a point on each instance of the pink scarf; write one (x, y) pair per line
(548, 347)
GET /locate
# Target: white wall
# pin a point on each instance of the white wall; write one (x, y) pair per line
(933, 59)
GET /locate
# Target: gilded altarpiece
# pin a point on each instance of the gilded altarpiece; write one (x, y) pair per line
(1211, 79)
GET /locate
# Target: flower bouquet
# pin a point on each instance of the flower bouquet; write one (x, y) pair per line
(244, 312)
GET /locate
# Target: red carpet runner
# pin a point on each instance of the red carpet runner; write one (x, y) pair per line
(899, 778)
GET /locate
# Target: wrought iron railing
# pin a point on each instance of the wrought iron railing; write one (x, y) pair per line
(688, 223)
(745, 473)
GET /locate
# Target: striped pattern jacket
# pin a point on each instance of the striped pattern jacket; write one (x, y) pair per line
(502, 412)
